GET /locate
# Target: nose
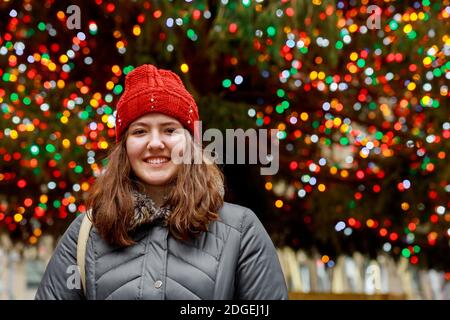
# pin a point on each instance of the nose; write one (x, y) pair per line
(155, 141)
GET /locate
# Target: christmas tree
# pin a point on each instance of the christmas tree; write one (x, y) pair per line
(357, 91)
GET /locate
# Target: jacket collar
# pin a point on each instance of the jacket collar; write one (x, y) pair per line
(146, 211)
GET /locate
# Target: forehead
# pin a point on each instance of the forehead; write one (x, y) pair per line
(154, 119)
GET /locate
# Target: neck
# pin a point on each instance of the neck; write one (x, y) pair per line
(156, 193)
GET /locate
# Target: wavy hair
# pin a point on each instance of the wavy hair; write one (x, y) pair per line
(195, 198)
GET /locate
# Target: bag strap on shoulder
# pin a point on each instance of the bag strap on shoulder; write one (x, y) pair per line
(83, 237)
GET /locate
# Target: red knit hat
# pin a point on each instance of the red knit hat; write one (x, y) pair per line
(148, 89)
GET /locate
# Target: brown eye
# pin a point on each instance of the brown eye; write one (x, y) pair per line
(138, 131)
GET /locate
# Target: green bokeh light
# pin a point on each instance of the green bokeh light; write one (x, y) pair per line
(41, 26)
(280, 93)
(50, 148)
(406, 253)
(226, 83)
(118, 89)
(271, 31)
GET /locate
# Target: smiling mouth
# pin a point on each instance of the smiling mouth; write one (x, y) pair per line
(157, 160)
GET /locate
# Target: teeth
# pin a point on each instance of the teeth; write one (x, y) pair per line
(157, 160)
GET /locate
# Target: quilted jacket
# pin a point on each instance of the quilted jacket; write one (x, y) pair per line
(234, 259)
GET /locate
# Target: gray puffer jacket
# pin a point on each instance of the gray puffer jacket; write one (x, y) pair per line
(235, 259)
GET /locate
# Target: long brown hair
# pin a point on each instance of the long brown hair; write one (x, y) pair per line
(195, 198)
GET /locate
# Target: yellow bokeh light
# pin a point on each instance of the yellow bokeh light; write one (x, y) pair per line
(268, 185)
(184, 68)
(120, 44)
(93, 103)
(63, 58)
(85, 186)
(43, 198)
(51, 66)
(103, 145)
(321, 187)
(110, 85)
(18, 217)
(278, 203)
(427, 61)
(14, 134)
(353, 68)
(344, 128)
(353, 28)
(64, 119)
(337, 122)
(405, 206)
(333, 170)
(60, 15)
(411, 86)
(37, 232)
(115, 68)
(66, 143)
(313, 75)
(363, 155)
(426, 100)
(97, 96)
(304, 116)
(136, 30)
(353, 56)
(407, 28)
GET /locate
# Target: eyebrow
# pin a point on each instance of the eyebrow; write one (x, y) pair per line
(146, 125)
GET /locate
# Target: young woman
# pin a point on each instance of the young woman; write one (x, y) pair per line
(160, 227)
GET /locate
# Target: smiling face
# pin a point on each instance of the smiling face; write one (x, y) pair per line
(150, 142)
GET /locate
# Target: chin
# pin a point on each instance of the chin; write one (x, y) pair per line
(156, 181)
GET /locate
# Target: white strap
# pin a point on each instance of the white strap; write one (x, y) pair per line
(83, 237)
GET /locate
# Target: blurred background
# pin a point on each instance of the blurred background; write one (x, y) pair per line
(358, 90)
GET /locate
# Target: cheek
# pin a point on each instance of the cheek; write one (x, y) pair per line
(176, 142)
(134, 149)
